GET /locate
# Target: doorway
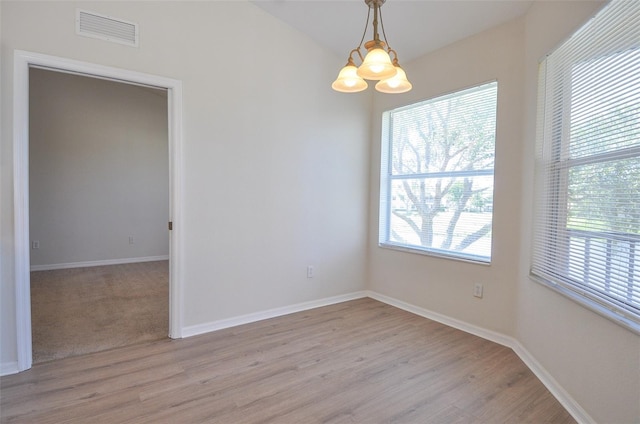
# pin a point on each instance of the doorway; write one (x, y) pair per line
(98, 212)
(23, 62)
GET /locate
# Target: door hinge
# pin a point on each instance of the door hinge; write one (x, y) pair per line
(170, 225)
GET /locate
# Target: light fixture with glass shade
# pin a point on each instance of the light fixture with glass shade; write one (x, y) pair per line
(376, 65)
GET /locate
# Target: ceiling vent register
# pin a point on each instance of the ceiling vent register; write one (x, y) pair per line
(95, 25)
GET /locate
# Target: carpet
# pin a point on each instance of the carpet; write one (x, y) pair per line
(84, 310)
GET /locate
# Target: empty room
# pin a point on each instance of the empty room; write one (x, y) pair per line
(99, 207)
(452, 241)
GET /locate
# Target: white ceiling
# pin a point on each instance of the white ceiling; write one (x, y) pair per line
(413, 27)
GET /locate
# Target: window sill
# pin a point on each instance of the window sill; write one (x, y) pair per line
(592, 305)
(478, 260)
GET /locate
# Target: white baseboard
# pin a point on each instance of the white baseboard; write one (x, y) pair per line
(443, 319)
(573, 407)
(271, 313)
(8, 368)
(99, 263)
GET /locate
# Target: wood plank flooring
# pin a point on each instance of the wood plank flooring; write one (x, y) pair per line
(354, 362)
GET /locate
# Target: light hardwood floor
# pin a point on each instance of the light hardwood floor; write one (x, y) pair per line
(354, 362)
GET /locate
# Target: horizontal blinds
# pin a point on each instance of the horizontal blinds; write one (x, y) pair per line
(437, 166)
(587, 233)
(423, 133)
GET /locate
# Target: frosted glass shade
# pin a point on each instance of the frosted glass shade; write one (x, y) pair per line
(377, 65)
(396, 84)
(348, 81)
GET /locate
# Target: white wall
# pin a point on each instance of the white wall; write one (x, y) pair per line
(99, 169)
(441, 285)
(275, 162)
(276, 177)
(596, 361)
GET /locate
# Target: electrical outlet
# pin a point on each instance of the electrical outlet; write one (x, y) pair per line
(477, 290)
(130, 239)
(310, 271)
(35, 244)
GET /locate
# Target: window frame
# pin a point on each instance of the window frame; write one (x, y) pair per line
(387, 178)
(554, 125)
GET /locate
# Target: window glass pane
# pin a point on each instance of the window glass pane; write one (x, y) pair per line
(587, 230)
(437, 174)
(605, 196)
(448, 214)
(454, 133)
(606, 265)
(605, 104)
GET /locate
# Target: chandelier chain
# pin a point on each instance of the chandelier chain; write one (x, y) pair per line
(384, 34)
(365, 29)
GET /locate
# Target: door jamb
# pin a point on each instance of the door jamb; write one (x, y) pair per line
(24, 60)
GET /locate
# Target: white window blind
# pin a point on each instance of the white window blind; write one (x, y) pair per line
(436, 193)
(587, 229)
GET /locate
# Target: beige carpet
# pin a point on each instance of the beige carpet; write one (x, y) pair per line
(82, 310)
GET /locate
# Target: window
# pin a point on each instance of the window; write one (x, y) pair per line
(587, 230)
(436, 191)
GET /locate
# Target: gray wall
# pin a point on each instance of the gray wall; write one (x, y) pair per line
(99, 170)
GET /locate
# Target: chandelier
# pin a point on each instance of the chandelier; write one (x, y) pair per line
(376, 65)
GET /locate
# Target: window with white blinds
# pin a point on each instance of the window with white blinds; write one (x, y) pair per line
(587, 217)
(436, 189)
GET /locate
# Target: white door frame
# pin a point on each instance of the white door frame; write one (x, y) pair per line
(22, 62)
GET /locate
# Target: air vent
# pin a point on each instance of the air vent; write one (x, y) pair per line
(91, 24)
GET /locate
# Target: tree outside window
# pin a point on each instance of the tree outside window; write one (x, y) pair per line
(437, 174)
(586, 235)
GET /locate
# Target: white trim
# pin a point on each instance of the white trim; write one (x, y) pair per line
(21, 209)
(573, 407)
(87, 264)
(593, 303)
(565, 399)
(195, 330)
(436, 253)
(443, 319)
(22, 62)
(8, 368)
(176, 288)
